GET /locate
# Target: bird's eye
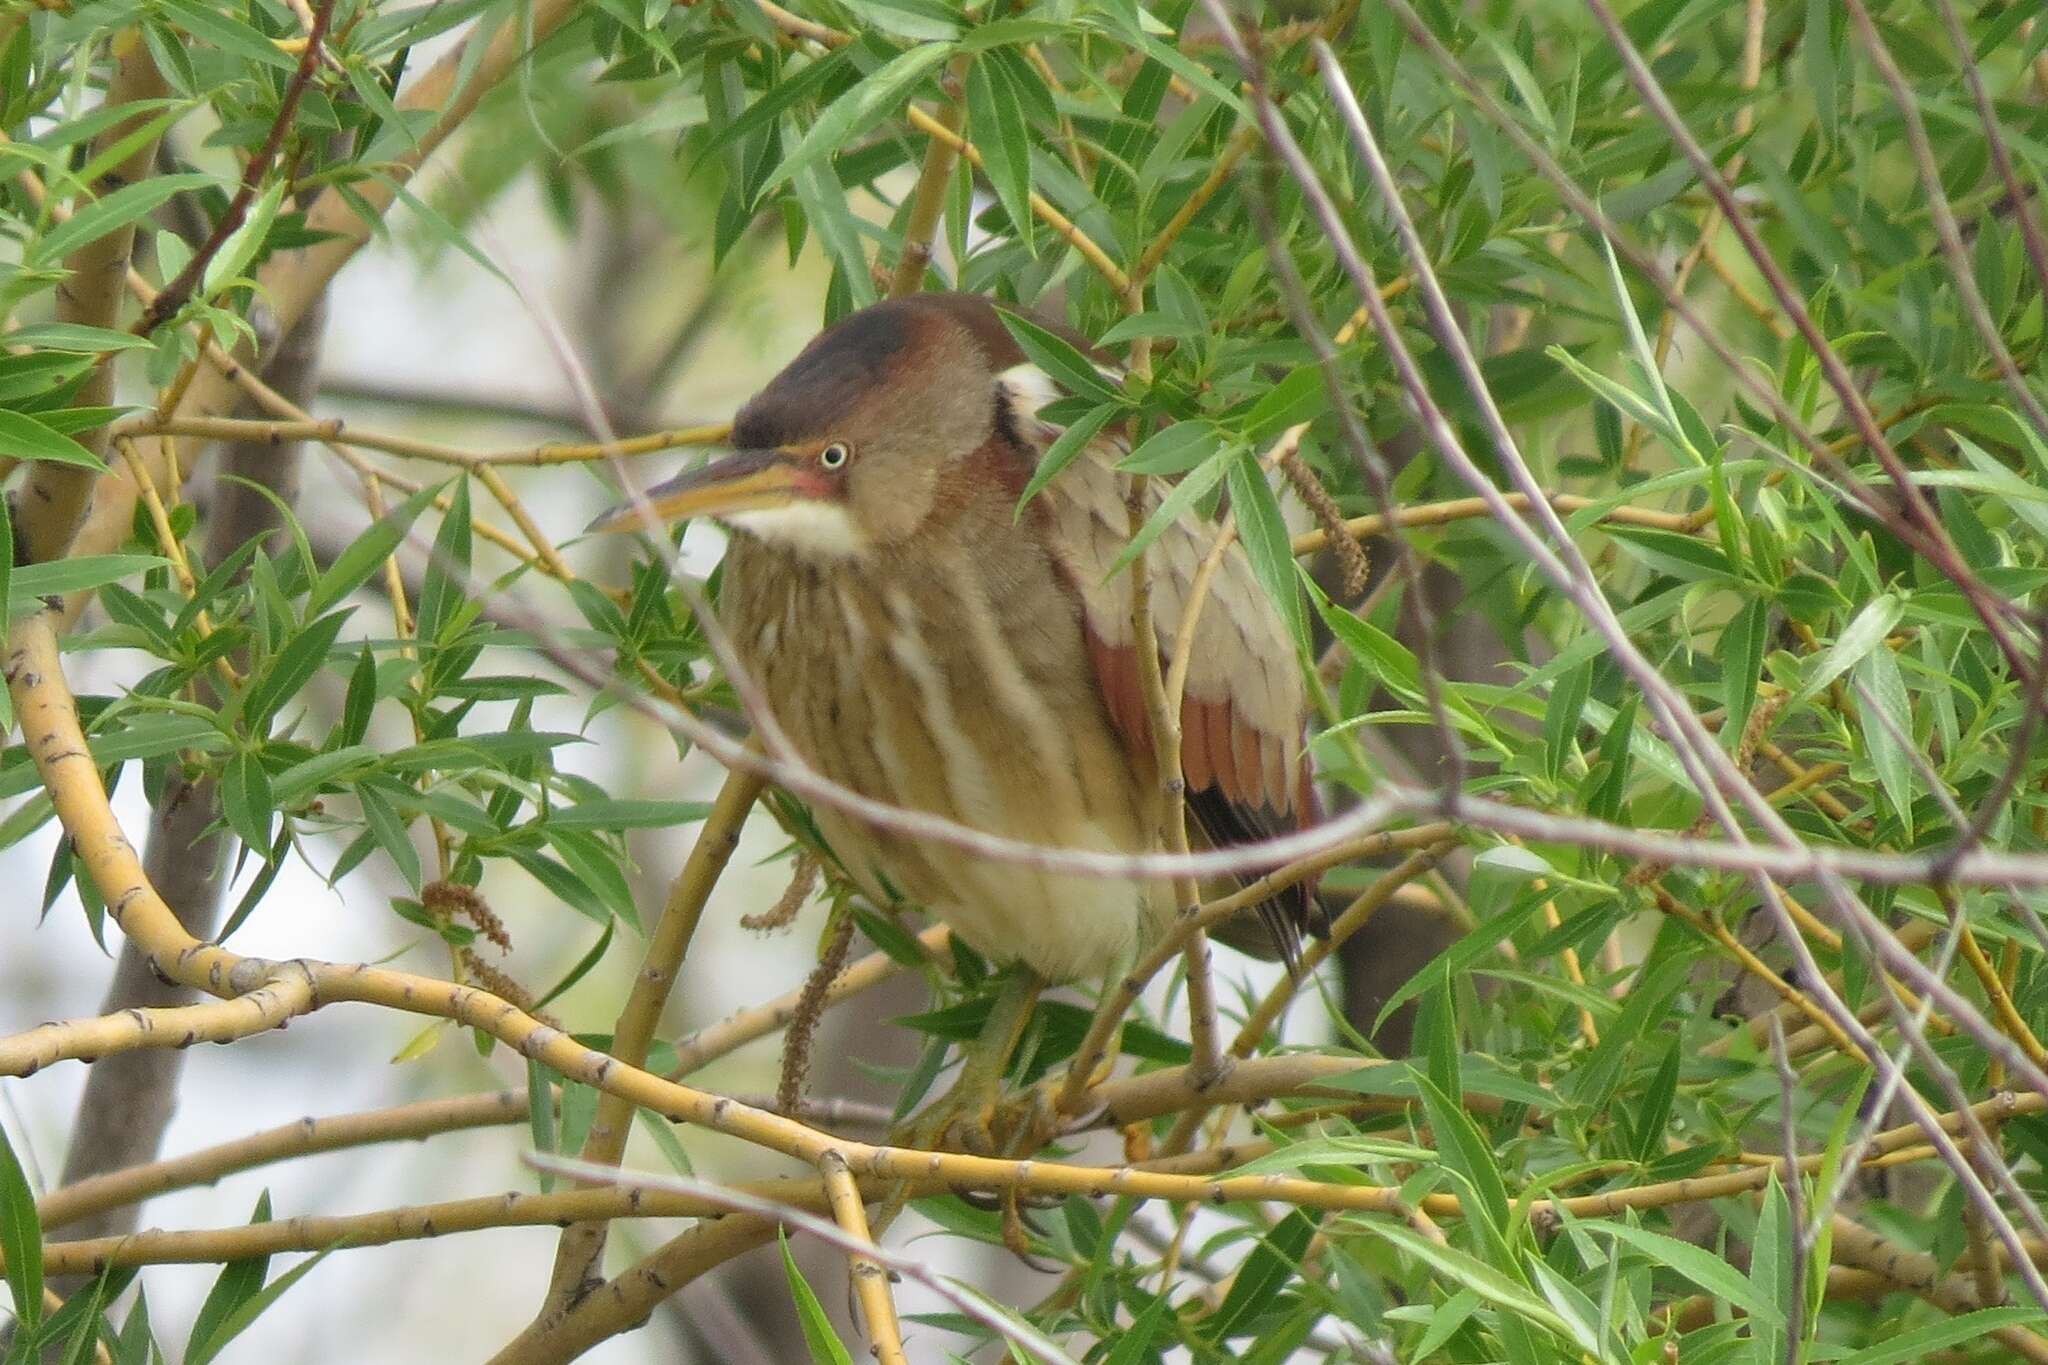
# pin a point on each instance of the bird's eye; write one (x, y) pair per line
(834, 456)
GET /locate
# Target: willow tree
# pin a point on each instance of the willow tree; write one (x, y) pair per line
(1633, 412)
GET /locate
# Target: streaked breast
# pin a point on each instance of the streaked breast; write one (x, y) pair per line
(961, 688)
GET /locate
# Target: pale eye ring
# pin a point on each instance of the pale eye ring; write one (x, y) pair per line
(834, 456)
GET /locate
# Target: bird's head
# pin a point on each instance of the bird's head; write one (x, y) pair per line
(850, 448)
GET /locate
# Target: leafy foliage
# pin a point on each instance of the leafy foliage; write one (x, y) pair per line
(1618, 1042)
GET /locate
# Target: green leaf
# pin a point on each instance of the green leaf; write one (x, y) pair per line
(664, 1136)
(446, 585)
(6, 595)
(1705, 1269)
(1178, 502)
(1065, 447)
(2024, 498)
(1471, 1273)
(826, 1348)
(243, 243)
(241, 40)
(597, 868)
(1174, 449)
(387, 828)
(1887, 733)
(1300, 397)
(1684, 557)
(831, 217)
(1463, 1148)
(238, 1319)
(583, 966)
(1858, 638)
(613, 815)
(1742, 666)
(871, 99)
(540, 1115)
(74, 336)
(1263, 533)
(33, 582)
(1265, 1272)
(1062, 363)
(920, 19)
(359, 701)
(1654, 1112)
(110, 212)
(238, 1283)
(1923, 1343)
(995, 122)
(1561, 716)
(1607, 781)
(1134, 1345)
(1767, 1268)
(287, 671)
(21, 1238)
(245, 799)
(25, 438)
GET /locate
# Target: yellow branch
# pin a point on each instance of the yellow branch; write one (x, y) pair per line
(582, 1244)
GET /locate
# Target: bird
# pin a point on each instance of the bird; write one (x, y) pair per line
(926, 641)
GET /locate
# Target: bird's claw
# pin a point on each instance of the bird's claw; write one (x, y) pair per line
(952, 1124)
(1018, 1231)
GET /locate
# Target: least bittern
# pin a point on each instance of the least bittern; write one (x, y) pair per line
(927, 644)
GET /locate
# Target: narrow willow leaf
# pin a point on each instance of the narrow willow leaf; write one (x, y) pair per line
(1469, 1272)
(26, 438)
(447, 577)
(1265, 1271)
(1461, 1146)
(1065, 447)
(1561, 716)
(246, 800)
(288, 671)
(1700, 1266)
(243, 243)
(110, 212)
(21, 1238)
(246, 1312)
(819, 1335)
(1179, 500)
(1924, 1343)
(388, 829)
(238, 1282)
(31, 583)
(367, 552)
(1054, 354)
(1858, 638)
(995, 122)
(75, 336)
(1888, 733)
(860, 108)
(1263, 532)
(1742, 666)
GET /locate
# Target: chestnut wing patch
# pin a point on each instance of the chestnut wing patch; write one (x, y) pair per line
(1241, 785)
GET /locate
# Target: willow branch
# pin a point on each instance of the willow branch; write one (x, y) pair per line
(582, 1244)
(180, 288)
(870, 1279)
(55, 497)
(72, 1202)
(927, 204)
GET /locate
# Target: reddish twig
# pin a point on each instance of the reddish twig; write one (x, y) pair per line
(179, 290)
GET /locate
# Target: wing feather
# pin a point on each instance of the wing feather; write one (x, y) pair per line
(1244, 710)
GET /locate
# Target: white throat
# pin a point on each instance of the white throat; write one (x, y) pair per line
(821, 530)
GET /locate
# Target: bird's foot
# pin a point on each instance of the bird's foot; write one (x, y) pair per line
(953, 1123)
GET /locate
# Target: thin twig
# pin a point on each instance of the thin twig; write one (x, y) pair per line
(175, 294)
